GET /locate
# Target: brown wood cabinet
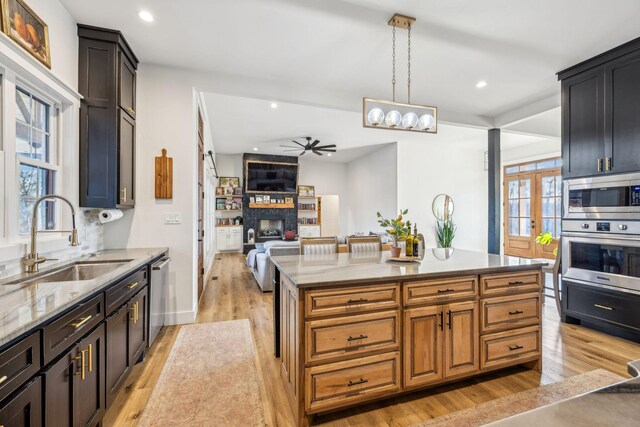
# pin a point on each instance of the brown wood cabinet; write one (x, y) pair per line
(107, 82)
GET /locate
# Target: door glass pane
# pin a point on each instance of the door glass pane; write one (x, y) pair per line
(525, 227)
(525, 207)
(514, 229)
(558, 186)
(548, 206)
(558, 207)
(558, 229)
(513, 189)
(513, 208)
(548, 186)
(525, 188)
(548, 225)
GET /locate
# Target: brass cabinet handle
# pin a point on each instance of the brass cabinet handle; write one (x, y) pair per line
(361, 337)
(599, 165)
(3, 379)
(81, 322)
(608, 164)
(515, 347)
(133, 285)
(513, 313)
(604, 307)
(360, 381)
(137, 312)
(82, 365)
(123, 195)
(90, 350)
(133, 313)
(445, 291)
(130, 110)
(355, 301)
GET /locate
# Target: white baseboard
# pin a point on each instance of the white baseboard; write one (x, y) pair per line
(180, 318)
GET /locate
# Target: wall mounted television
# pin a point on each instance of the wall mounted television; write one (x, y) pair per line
(270, 177)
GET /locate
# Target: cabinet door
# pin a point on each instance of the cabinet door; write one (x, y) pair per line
(25, 408)
(91, 397)
(127, 83)
(236, 240)
(583, 124)
(126, 156)
(622, 127)
(61, 381)
(117, 351)
(138, 326)
(423, 331)
(461, 339)
(221, 240)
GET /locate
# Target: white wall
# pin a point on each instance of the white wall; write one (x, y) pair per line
(450, 162)
(372, 183)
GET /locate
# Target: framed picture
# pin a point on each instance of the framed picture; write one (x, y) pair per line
(229, 182)
(288, 200)
(306, 190)
(26, 28)
(237, 191)
(266, 199)
(252, 199)
(219, 191)
(259, 199)
(228, 191)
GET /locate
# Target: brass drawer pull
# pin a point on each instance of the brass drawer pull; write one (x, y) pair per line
(130, 110)
(82, 364)
(133, 285)
(599, 165)
(90, 350)
(361, 337)
(513, 313)
(517, 282)
(81, 322)
(360, 381)
(445, 291)
(515, 347)
(3, 379)
(356, 301)
(604, 307)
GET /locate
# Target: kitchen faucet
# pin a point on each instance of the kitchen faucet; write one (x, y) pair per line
(32, 260)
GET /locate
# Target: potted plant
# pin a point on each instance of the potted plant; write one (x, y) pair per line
(398, 228)
(445, 233)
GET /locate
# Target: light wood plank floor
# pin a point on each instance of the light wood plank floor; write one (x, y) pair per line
(568, 350)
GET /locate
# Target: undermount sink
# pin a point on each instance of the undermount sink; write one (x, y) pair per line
(82, 270)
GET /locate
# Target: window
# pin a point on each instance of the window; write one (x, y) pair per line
(37, 161)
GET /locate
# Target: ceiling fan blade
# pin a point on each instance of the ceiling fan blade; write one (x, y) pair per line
(301, 145)
(326, 150)
(302, 154)
(288, 151)
(289, 146)
(317, 152)
(316, 142)
(326, 146)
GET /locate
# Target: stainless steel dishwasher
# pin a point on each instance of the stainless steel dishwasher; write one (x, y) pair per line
(158, 296)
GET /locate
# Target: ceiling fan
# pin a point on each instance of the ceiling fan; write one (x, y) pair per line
(311, 146)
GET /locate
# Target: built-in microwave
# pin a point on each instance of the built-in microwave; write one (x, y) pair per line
(609, 197)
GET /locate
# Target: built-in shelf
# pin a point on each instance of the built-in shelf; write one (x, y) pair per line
(309, 225)
(228, 210)
(228, 226)
(307, 210)
(271, 205)
(226, 196)
(307, 197)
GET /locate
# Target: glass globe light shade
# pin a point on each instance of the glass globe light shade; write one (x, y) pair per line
(375, 116)
(393, 118)
(426, 122)
(409, 120)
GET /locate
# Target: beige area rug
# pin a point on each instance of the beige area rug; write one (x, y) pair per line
(517, 403)
(211, 378)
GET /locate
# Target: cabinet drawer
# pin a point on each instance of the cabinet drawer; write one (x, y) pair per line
(344, 383)
(25, 407)
(351, 300)
(120, 293)
(510, 312)
(352, 335)
(508, 348)
(589, 303)
(66, 330)
(18, 363)
(429, 291)
(510, 283)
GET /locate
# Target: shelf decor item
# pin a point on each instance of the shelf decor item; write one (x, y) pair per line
(306, 191)
(383, 114)
(446, 231)
(230, 182)
(398, 228)
(26, 28)
(164, 176)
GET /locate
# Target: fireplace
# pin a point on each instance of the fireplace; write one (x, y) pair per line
(270, 229)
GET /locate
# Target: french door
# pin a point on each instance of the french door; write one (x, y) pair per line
(532, 205)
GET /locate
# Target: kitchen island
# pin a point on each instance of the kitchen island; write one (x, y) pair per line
(352, 328)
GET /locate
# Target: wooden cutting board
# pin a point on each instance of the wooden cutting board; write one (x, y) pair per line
(164, 176)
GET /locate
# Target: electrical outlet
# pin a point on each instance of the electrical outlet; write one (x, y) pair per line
(172, 218)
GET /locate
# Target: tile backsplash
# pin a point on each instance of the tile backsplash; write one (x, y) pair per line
(90, 235)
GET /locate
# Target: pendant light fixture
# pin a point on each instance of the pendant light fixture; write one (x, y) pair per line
(383, 114)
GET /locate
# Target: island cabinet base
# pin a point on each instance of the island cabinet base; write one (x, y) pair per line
(341, 346)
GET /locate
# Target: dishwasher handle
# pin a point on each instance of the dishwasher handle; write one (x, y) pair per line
(162, 264)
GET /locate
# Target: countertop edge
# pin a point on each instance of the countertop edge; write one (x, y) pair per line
(29, 328)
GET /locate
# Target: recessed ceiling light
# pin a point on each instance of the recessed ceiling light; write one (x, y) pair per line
(274, 105)
(481, 84)
(255, 148)
(145, 15)
(329, 154)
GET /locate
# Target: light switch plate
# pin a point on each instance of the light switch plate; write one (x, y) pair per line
(172, 218)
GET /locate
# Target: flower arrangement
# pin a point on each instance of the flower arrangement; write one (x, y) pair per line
(546, 238)
(397, 227)
(446, 231)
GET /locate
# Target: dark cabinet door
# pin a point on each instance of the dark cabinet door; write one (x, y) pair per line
(622, 120)
(126, 156)
(117, 351)
(61, 390)
(127, 86)
(25, 408)
(91, 398)
(583, 152)
(138, 325)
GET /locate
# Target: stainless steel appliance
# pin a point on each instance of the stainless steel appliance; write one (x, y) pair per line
(158, 296)
(603, 197)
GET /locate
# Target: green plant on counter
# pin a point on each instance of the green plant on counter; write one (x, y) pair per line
(397, 227)
(445, 233)
(546, 238)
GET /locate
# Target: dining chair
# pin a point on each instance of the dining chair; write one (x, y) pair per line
(318, 245)
(364, 244)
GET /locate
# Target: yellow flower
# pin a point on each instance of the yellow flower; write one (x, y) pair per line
(392, 231)
(399, 217)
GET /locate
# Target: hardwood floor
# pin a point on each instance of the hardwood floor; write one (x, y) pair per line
(568, 350)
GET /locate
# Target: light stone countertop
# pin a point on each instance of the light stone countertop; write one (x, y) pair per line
(25, 306)
(307, 271)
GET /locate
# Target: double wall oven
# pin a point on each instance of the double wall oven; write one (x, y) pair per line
(601, 232)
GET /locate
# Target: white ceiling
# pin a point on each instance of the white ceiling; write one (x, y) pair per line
(546, 123)
(343, 46)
